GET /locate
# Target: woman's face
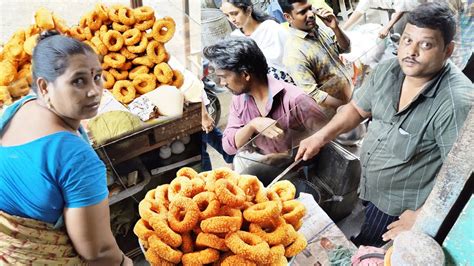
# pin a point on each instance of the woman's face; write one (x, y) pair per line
(76, 93)
(235, 15)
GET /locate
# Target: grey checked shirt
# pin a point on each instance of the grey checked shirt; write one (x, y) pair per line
(403, 151)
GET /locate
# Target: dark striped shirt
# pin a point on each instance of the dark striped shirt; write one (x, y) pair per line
(403, 151)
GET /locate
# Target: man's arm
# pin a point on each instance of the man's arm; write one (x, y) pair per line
(346, 119)
(330, 20)
(386, 29)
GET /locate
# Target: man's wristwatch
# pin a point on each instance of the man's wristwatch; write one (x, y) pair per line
(320, 96)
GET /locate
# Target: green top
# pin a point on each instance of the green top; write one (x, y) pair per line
(403, 151)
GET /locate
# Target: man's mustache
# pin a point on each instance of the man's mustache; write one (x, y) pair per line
(408, 58)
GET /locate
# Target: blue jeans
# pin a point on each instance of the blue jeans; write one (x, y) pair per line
(213, 138)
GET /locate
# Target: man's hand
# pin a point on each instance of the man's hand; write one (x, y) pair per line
(207, 122)
(309, 147)
(384, 32)
(404, 223)
(327, 17)
(267, 126)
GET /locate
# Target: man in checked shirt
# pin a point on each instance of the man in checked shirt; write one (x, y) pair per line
(418, 103)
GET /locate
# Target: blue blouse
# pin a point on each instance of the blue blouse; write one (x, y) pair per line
(40, 178)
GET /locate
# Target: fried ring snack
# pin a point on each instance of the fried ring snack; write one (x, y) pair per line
(132, 36)
(143, 60)
(208, 204)
(19, 88)
(165, 233)
(126, 66)
(178, 79)
(44, 19)
(219, 173)
(143, 230)
(187, 172)
(88, 33)
(212, 241)
(201, 257)
(274, 235)
(229, 220)
(93, 21)
(29, 44)
(261, 212)
(126, 16)
(7, 72)
(191, 214)
(119, 75)
(102, 12)
(128, 55)
(293, 211)
(297, 225)
(161, 195)
(124, 92)
(234, 260)
(120, 27)
(154, 258)
(188, 243)
(297, 246)
(109, 79)
(148, 209)
(77, 33)
(60, 25)
(101, 48)
(143, 13)
(114, 12)
(113, 40)
(145, 25)
(114, 60)
(229, 193)
(155, 51)
(163, 73)
(166, 252)
(250, 185)
(144, 83)
(249, 246)
(277, 256)
(177, 186)
(5, 97)
(141, 47)
(285, 190)
(138, 70)
(163, 29)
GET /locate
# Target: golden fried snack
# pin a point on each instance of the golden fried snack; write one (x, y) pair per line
(156, 52)
(143, 60)
(44, 19)
(60, 25)
(229, 193)
(127, 66)
(228, 220)
(163, 29)
(132, 36)
(163, 73)
(114, 12)
(274, 235)
(145, 25)
(5, 97)
(285, 190)
(141, 47)
(234, 260)
(25, 73)
(119, 75)
(77, 33)
(138, 70)
(249, 246)
(297, 246)
(161, 195)
(113, 40)
(128, 55)
(101, 48)
(208, 204)
(202, 257)
(7, 72)
(144, 13)
(212, 241)
(19, 88)
(277, 256)
(124, 92)
(164, 232)
(102, 11)
(166, 252)
(188, 243)
(114, 60)
(143, 230)
(178, 186)
(126, 16)
(178, 79)
(109, 79)
(148, 209)
(120, 27)
(30, 43)
(144, 83)
(219, 173)
(187, 172)
(251, 186)
(179, 206)
(152, 256)
(93, 20)
(88, 33)
(293, 211)
(31, 30)
(262, 212)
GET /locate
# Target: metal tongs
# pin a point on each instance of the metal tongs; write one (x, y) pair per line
(288, 169)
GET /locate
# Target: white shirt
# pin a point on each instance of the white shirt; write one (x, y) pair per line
(270, 38)
(398, 5)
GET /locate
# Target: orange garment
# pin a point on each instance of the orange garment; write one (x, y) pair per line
(30, 242)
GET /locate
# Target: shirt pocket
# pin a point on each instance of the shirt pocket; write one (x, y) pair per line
(405, 144)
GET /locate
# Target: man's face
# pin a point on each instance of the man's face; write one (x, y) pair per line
(237, 83)
(422, 52)
(302, 16)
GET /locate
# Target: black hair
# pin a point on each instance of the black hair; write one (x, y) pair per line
(246, 5)
(51, 54)
(436, 16)
(238, 54)
(287, 5)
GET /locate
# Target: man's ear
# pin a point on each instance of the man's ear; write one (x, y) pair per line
(288, 17)
(246, 75)
(449, 50)
(42, 86)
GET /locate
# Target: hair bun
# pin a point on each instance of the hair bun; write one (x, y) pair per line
(47, 33)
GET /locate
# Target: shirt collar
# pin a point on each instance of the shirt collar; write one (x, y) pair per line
(275, 87)
(303, 34)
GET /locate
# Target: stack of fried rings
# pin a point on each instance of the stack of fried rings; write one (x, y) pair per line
(222, 218)
(130, 41)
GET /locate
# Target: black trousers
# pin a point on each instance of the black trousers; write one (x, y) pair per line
(375, 225)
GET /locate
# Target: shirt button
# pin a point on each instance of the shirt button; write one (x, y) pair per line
(391, 123)
(378, 139)
(368, 153)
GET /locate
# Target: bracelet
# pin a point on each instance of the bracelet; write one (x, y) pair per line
(123, 259)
